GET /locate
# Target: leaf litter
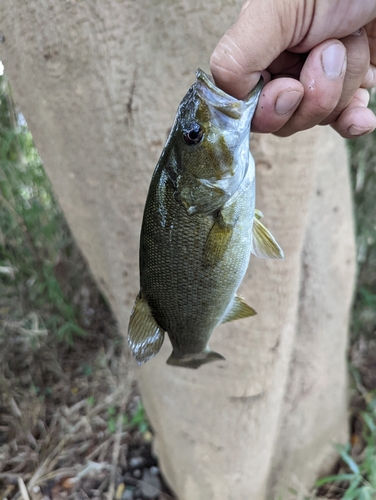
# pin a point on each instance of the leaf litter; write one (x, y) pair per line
(70, 427)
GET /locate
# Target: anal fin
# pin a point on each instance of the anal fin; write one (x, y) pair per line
(145, 336)
(239, 309)
(264, 244)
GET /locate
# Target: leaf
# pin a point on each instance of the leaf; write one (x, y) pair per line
(372, 473)
(139, 419)
(343, 451)
(354, 372)
(368, 297)
(334, 479)
(77, 330)
(65, 333)
(367, 493)
(352, 491)
(87, 369)
(143, 427)
(112, 411)
(112, 425)
(369, 421)
(372, 404)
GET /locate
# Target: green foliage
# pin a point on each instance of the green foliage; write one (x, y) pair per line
(359, 481)
(363, 170)
(112, 419)
(357, 478)
(33, 233)
(137, 421)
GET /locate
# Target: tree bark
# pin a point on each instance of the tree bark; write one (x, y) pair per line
(99, 83)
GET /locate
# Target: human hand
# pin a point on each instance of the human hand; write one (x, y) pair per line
(317, 58)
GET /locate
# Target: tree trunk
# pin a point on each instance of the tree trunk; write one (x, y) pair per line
(99, 83)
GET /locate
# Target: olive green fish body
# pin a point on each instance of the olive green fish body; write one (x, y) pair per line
(199, 228)
(187, 288)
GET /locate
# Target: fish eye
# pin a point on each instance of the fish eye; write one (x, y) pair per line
(194, 135)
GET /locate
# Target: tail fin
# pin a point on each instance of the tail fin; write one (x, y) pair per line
(194, 360)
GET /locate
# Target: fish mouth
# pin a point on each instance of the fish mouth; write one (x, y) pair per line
(221, 101)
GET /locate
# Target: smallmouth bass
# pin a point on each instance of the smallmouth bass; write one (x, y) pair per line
(199, 228)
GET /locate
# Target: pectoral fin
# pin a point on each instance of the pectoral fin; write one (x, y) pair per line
(263, 243)
(145, 336)
(217, 241)
(239, 309)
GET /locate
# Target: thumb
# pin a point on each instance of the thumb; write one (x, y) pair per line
(261, 33)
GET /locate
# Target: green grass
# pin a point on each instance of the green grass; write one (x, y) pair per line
(363, 172)
(138, 420)
(359, 479)
(34, 237)
(357, 476)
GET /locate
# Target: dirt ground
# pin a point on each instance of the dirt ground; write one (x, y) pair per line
(68, 429)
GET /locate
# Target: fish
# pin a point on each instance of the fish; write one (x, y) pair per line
(199, 228)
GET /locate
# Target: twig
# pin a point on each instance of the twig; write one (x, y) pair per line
(53, 456)
(23, 490)
(115, 452)
(60, 473)
(11, 476)
(84, 493)
(15, 410)
(98, 449)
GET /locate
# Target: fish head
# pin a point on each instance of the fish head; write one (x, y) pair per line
(207, 153)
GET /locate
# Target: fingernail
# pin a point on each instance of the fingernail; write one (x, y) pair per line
(287, 101)
(369, 80)
(357, 131)
(333, 60)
